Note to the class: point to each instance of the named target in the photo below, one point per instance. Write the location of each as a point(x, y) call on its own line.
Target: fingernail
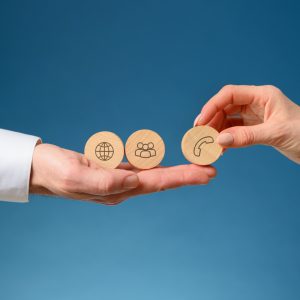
point(131, 182)
point(210, 172)
point(197, 119)
point(225, 139)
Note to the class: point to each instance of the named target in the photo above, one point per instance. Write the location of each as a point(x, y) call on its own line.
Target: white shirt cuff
point(16, 151)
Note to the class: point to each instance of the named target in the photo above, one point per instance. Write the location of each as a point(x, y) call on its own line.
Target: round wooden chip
point(145, 149)
point(105, 148)
point(199, 145)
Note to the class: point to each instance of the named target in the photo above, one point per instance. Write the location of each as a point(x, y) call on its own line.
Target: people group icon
point(145, 150)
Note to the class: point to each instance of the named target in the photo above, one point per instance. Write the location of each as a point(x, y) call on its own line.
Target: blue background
point(72, 68)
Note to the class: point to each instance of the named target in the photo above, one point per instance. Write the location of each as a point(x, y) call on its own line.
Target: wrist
point(36, 185)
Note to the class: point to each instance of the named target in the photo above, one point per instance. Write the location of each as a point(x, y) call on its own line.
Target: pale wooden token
point(199, 145)
point(145, 149)
point(105, 148)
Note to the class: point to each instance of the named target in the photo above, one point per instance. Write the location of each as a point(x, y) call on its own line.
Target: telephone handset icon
point(201, 143)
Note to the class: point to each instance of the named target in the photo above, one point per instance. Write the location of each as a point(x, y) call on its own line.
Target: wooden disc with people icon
point(199, 145)
point(105, 148)
point(145, 149)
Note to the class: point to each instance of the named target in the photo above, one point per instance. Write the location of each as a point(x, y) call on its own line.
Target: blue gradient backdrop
point(71, 68)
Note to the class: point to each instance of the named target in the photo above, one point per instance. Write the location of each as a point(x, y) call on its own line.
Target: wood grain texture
point(145, 149)
point(199, 145)
point(105, 148)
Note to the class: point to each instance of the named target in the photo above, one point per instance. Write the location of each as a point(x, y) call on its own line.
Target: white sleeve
point(16, 150)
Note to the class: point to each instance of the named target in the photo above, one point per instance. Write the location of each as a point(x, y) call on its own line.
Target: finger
point(230, 94)
point(125, 166)
point(242, 136)
point(69, 195)
point(221, 121)
point(231, 122)
point(75, 196)
point(171, 177)
point(78, 196)
point(103, 181)
point(233, 109)
point(160, 179)
point(128, 166)
point(218, 121)
point(112, 199)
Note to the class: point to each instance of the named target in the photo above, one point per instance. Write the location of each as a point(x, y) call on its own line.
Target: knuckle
point(106, 185)
point(228, 88)
point(273, 90)
point(247, 137)
point(163, 182)
point(160, 186)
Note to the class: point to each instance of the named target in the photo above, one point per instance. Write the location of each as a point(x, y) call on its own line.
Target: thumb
point(106, 182)
point(242, 136)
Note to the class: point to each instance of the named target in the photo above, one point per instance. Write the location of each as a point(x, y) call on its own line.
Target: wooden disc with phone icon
point(199, 145)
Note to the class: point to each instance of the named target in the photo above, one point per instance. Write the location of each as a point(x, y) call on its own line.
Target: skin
point(65, 173)
point(244, 115)
point(249, 115)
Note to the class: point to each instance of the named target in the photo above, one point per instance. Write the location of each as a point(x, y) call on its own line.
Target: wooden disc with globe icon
point(105, 148)
point(104, 151)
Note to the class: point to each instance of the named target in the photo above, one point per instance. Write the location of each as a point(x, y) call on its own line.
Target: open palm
point(61, 172)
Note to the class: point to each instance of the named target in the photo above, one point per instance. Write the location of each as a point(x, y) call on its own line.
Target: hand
point(248, 115)
point(61, 172)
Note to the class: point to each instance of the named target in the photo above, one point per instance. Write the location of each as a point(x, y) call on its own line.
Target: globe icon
point(104, 151)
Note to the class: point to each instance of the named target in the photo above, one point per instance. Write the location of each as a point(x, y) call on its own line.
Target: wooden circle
point(105, 148)
point(199, 145)
point(145, 149)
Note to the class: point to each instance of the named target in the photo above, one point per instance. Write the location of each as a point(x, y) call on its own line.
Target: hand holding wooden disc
point(105, 148)
point(199, 145)
point(145, 149)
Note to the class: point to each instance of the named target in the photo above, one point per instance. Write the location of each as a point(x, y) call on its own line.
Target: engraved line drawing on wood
point(201, 143)
point(104, 151)
point(145, 150)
